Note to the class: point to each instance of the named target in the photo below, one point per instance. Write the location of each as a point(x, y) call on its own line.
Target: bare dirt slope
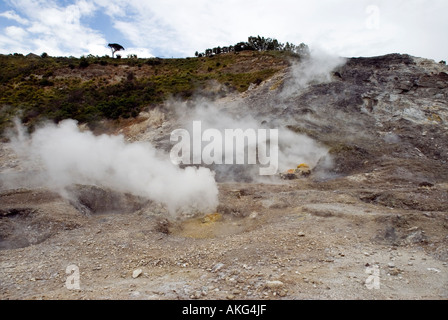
point(374, 226)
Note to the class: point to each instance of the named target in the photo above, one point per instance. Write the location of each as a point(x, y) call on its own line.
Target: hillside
point(369, 222)
point(90, 89)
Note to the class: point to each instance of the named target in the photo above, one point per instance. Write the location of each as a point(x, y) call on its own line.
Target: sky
point(179, 28)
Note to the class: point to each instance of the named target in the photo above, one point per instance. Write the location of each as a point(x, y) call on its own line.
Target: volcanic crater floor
point(353, 237)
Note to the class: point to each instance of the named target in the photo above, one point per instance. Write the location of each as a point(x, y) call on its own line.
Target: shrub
point(83, 63)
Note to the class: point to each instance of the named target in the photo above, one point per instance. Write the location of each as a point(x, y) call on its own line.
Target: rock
point(282, 293)
point(163, 226)
point(253, 215)
point(394, 272)
point(230, 297)
point(135, 294)
point(425, 185)
point(136, 273)
point(301, 234)
point(418, 236)
point(275, 284)
point(217, 267)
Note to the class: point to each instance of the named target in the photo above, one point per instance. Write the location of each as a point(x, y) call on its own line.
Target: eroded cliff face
point(372, 110)
point(371, 113)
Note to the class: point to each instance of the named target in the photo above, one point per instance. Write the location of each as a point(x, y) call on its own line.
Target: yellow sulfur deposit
point(213, 217)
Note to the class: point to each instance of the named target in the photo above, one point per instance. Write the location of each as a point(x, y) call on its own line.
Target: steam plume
point(316, 68)
point(69, 156)
point(293, 148)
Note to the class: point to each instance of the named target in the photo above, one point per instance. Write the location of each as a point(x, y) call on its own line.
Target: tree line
point(257, 44)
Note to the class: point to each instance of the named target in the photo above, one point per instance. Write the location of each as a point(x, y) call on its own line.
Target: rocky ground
point(373, 227)
point(296, 240)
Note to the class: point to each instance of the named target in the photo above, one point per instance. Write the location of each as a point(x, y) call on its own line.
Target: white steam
point(314, 69)
point(69, 156)
point(293, 148)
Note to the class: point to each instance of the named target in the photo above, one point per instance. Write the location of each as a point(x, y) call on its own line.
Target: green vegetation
point(91, 88)
point(258, 44)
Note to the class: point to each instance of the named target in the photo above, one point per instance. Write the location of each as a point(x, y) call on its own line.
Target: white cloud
point(16, 33)
point(179, 28)
point(8, 40)
point(140, 52)
point(14, 16)
point(173, 27)
point(55, 29)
